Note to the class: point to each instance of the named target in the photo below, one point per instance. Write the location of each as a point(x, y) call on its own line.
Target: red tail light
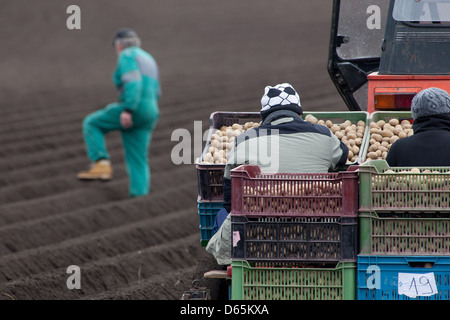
point(391, 101)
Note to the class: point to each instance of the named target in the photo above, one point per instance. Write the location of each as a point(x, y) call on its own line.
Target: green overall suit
point(137, 79)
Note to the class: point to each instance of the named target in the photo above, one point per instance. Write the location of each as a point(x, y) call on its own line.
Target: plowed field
point(213, 55)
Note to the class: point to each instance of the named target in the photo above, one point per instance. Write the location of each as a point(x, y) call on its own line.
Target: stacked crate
point(210, 176)
point(404, 221)
point(297, 238)
point(294, 236)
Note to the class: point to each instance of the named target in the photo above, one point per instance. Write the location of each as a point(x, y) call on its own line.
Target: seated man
point(293, 146)
point(430, 143)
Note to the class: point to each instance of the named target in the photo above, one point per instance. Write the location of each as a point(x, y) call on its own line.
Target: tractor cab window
point(422, 12)
point(361, 28)
point(356, 41)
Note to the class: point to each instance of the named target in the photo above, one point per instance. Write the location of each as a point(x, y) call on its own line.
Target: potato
point(335, 128)
point(382, 148)
point(374, 125)
point(381, 123)
point(373, 148)
point(311, 118)
point(393, 139)
point(236, 126)
point(345, 124)
point(215, 143)
point(229, 132)
point(208, 157)
point(372, 155)
point(377, 137)
point(405, 123)
point(350, 128)
point(393, 122)
point(350, 154)
point(387, 133)
point(376, 130)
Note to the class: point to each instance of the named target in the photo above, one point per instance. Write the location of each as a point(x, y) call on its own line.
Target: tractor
point(383, 52)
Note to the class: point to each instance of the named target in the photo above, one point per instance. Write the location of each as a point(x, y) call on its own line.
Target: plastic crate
point(252, 282)
point(404, 234)
point(210, 181)
point(403, 191)
point(207, 211)
point(294, 240)
point(255, 194)
point(386, 116)
point(210, 176)
point(378, 277)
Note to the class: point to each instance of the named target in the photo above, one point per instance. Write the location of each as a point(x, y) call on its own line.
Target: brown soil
point(213, 55)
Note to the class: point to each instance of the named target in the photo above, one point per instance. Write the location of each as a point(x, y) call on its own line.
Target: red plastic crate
point(256, 194)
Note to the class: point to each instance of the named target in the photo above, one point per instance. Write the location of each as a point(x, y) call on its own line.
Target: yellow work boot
point(100, 170)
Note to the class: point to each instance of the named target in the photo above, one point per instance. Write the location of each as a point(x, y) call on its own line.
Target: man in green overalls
point(135, 115)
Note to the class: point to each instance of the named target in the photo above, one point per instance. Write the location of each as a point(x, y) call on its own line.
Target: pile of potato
point(222, 141)
point(384, 133)
point(413, 188)
point(286, 188)
point(283, 197)
point(349, 133)
point(412, 179)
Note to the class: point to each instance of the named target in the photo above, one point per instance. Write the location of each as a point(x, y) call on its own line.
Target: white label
point(236, 238)
point(417, 285)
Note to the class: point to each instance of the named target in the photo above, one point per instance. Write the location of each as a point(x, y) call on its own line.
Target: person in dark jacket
point(284, 142)
point(430, 143)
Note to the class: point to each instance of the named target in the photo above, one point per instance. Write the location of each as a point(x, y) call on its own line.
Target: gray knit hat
point(430, 102)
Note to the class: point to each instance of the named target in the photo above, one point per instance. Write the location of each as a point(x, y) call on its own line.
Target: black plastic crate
point(210, 176)
point(294, 239)
point(210, 181)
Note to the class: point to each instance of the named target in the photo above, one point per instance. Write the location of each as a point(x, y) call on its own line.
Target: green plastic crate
point(402, 190)
point(411, 234)
point(251, 282)
point(388, 115)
